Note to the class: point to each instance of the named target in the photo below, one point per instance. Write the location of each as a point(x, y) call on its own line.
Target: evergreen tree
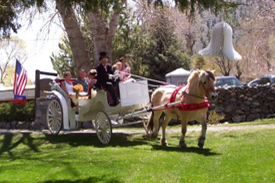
point(199, 62)
point(164, 53)
point(63, 61)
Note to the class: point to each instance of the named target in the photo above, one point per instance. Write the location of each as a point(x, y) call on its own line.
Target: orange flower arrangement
point(78, 88)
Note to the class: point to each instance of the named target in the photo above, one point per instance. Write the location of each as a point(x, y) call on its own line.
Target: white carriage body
point(134, 93)
point(134, 100)
point(134, 96)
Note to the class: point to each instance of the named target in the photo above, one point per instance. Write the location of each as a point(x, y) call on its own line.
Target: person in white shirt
point(67, 85)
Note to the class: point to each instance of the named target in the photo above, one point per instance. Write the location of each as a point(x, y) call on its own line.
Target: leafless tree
point(10, 50)
point(257, 43)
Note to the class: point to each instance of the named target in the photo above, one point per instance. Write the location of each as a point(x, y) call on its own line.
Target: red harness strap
point(184, 106)
point(193, 107)
point(174, 94)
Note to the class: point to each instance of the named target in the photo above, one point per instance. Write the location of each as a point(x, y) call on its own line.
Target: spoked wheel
point(103, 127)
point(54, 116)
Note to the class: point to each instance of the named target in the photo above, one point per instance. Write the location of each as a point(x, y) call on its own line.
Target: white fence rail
point(6, 93)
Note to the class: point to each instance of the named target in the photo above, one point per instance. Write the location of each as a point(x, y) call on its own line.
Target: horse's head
point(207, 80)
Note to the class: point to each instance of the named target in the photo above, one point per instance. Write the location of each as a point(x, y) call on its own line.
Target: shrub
point(5, 111)
point(214, 118)
point(10, 112)
point(30, 110)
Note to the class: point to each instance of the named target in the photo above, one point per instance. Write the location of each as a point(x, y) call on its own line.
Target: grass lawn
point(228, 156)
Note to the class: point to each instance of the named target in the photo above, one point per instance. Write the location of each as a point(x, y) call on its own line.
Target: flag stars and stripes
point(20, 79)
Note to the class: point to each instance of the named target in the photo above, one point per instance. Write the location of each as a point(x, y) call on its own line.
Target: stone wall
point(239, 104)
point(41, 111)
point(236, 104)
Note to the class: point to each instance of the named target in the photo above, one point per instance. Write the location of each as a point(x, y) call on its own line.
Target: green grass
point(228, 156)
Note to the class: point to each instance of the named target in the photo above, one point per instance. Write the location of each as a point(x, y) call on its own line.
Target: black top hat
point(102, 55)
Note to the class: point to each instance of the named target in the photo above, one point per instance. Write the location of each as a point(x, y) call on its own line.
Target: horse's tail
point(150, 124)
point(157, 94)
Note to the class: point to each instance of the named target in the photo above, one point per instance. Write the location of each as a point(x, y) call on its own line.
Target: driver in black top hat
point(105, 76)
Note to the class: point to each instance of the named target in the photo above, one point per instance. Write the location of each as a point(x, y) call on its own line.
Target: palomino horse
point(193, 106)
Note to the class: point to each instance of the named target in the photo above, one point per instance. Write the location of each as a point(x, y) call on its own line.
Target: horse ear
point(213, 71)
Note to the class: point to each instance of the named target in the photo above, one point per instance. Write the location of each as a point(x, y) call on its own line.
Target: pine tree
point(164, 52)
point(63, 61)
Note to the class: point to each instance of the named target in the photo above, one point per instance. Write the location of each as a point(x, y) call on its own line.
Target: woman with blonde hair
point(67, 85)
point(125, 69)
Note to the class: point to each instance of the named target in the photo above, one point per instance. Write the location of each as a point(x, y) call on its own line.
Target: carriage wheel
point(54, 117)
point(103, 127)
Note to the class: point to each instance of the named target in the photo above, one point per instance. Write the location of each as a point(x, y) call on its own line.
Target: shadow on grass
point(205, 152)
point(90, 139)
point(87, 180)
point(8, 143)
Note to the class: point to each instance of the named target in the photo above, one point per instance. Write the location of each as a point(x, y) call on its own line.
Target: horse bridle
point(207, 90)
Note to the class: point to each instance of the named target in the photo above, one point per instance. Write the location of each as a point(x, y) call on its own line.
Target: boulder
point(23, 125)
point(252, 117)
point(230, 108)
point(238, 119)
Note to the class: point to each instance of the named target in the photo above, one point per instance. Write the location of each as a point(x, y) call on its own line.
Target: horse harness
point(185, 106)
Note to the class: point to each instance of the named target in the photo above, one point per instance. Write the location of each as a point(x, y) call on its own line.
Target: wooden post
point(37, 81)
point(37, 84)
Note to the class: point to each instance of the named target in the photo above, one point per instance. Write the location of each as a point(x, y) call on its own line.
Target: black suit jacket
point(103, 75)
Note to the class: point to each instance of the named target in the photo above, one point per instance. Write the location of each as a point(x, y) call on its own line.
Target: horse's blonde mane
point(197, 74)
point(194, 75)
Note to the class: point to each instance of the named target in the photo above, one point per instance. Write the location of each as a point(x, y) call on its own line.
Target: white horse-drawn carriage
point(62, 114)
point(186, 104)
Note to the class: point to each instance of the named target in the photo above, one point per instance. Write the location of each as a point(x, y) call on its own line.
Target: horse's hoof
point(154, 137)
point(164, 143)
point(200, 145)
point(183, 145)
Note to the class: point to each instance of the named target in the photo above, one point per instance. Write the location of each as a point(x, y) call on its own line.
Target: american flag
point(20, 79)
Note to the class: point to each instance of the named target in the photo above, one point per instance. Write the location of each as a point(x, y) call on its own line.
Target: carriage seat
point(109, 98)
point(60, 80)
point(57, 87)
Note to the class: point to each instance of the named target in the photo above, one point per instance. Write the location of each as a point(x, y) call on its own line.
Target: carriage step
point(114, 122)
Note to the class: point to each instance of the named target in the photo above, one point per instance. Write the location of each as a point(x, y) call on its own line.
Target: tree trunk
point(80, 54)
point(190, 43)
point(224, 65)
point(102, 33)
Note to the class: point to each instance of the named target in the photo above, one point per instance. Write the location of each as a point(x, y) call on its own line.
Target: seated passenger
point(91, 81)
point(125, 75)
point(82, 80)
point(116, 69)
point(105, 77)
point(67, 86)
